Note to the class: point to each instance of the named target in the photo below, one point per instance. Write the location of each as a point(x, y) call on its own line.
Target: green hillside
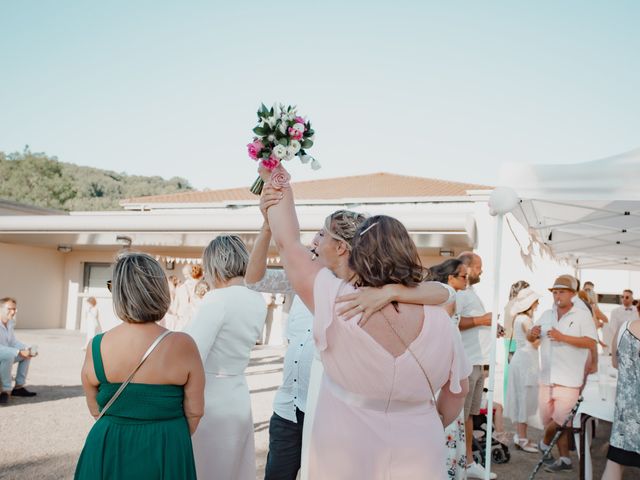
point(37, 179)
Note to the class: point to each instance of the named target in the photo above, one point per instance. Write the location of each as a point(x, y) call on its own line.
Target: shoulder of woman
point(182, 341)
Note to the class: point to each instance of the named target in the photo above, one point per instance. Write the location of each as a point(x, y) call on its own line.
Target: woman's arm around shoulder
point(193, 404)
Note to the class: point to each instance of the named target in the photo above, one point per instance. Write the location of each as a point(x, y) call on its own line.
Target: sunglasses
point(462, 276)
point(109, 285)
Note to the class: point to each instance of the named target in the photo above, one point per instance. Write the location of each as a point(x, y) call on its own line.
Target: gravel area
point(46, 433)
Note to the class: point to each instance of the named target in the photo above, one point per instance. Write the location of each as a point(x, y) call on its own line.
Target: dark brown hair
point(383, 253)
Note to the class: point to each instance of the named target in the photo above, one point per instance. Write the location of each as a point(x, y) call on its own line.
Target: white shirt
point(476, 340)
point(561, 363)
point(620, 315)
point(296, 373)
point(298, 358)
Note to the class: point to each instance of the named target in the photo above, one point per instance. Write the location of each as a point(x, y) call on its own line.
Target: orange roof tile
point(376, 185)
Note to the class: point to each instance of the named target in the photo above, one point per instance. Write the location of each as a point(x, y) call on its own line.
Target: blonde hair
point(224, 258)
point(140, 289)
point(343, 225)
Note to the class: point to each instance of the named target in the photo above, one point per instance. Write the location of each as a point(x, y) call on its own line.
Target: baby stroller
point(499, 451)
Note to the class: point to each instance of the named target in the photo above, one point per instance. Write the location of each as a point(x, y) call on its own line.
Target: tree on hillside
point(37, 179)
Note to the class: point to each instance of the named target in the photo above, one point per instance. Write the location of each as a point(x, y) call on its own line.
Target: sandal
point(524, 445)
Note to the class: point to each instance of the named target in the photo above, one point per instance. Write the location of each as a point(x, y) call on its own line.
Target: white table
point(593, 408)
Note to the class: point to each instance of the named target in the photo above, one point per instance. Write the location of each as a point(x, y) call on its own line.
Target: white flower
point(271, 138)
point(295, 146)
point(290, 153)
point(306, 158)
point(315, 164)
point(280, 151)
point(299, 127)
point(271, 121)
point(283, 127)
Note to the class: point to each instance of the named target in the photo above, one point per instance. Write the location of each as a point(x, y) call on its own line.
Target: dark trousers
point(285, 447)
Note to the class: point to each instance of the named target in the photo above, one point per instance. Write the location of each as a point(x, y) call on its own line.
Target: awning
point(586, 213)
point(432, 225)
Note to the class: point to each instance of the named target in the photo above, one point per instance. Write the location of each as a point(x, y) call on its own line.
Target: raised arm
point(301, 269)
point(257, 265)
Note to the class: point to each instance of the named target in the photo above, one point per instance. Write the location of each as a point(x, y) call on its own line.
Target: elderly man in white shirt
point(619, 315)
point(567, 334)
point(12, 351)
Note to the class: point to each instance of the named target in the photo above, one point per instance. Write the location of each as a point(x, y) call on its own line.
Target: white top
point(561, 363)
point(476, 340)
point(226, 328)
point(296, 373)
point(622, 314)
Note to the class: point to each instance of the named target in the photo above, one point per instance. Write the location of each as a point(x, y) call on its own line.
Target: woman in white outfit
point(522, 390)
point(226, 327)
point(93, 320)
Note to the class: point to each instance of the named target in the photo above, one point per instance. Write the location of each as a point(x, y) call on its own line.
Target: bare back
point(395, 330)
point(122, 349)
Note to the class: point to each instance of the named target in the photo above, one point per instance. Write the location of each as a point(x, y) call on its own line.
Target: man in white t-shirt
point(567, 333)
point(619, 315)
point(475, 330)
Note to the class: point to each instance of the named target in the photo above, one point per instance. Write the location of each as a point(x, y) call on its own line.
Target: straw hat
point(526, 297)
point(566, 282)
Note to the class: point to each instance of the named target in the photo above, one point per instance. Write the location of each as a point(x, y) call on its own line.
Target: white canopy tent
point(587, 214)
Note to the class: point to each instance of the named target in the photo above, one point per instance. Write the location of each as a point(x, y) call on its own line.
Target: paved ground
point(42, 437)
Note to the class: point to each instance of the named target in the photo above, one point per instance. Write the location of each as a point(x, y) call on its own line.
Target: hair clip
point(368, 228)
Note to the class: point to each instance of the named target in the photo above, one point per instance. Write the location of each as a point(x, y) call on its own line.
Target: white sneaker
point(475, 470)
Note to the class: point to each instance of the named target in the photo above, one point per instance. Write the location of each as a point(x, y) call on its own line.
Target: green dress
point(143, 435)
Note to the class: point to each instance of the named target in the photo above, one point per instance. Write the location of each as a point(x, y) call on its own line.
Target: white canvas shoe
point(475, 470)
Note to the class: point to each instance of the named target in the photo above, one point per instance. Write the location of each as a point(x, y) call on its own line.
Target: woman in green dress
point(146, 432)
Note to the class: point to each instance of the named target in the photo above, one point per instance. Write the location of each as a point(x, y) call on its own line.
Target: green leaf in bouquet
point(307, 143)
point(309, 132)
point(259, 131)
point(284, 141)
point(265, 153)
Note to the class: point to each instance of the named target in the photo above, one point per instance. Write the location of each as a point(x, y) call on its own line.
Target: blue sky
point(436, 89)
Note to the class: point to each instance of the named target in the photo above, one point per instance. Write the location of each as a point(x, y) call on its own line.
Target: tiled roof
point(375, 185)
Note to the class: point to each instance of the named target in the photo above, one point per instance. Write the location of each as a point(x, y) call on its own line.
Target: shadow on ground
point(47, 393)
point(50, 467)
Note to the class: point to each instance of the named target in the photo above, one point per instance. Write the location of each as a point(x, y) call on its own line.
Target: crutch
point(555, 438)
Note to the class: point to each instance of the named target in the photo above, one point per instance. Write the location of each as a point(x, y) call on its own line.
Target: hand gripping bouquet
point(281, 135)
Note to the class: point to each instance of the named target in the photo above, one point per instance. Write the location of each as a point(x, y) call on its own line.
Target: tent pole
point(494, 331)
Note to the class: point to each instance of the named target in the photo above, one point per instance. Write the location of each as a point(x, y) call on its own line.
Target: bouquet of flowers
point(281, 134)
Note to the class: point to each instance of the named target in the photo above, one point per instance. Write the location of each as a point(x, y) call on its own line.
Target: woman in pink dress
point(376, 416)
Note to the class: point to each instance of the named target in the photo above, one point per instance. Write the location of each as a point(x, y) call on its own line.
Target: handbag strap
point(155, 343)
point(424, 372)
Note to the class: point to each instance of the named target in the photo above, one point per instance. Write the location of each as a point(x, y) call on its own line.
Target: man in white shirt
point(567, 333)
point(619, 315)
point(12, 351)
point(289, 405)
point(475, 330)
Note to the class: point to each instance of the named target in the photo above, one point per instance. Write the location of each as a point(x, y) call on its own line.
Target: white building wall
point(33, 276)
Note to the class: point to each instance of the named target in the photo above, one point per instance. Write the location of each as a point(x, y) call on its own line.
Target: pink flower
point(280, 178)
point(254, 149)
point(300, 120)
point(270, 163)
point(295, 134)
